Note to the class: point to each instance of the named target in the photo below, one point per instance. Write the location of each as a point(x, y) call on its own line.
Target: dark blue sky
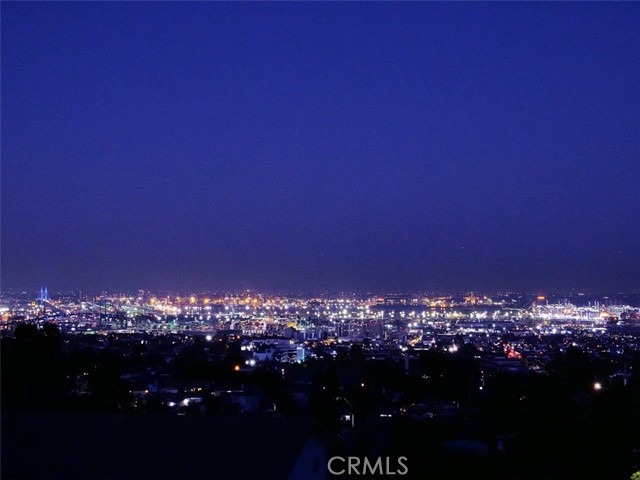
point(357, 146)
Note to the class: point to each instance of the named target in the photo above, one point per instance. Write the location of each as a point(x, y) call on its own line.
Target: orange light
point(237, 368)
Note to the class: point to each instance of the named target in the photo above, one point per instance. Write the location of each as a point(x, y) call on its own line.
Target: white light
point(597, 386)
point(208, 338)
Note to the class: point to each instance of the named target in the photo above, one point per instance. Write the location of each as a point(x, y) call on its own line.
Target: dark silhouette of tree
point(32, 368)
point(191, 363)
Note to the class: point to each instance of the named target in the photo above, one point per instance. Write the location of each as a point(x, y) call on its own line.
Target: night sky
point(313, 146)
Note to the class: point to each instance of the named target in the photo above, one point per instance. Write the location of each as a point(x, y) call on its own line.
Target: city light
point(220, 218)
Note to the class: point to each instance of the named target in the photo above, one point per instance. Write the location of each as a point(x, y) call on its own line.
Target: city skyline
point(302, 240)
point(339, 147)
point(184, 292)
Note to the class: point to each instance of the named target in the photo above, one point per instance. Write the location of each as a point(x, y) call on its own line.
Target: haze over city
point(333, 146)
